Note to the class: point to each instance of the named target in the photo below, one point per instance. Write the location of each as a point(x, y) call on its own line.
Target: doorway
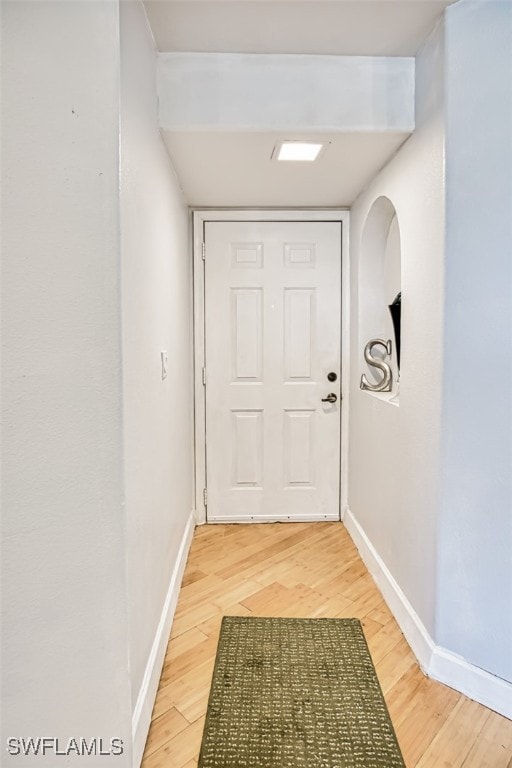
point(268, 334)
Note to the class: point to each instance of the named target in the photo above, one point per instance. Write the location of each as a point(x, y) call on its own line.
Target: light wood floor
point(308, 570)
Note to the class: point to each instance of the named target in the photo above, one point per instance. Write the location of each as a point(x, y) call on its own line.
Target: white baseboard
point(475, 683)
point(436, 662)
point(408, 620)
point(141, 718)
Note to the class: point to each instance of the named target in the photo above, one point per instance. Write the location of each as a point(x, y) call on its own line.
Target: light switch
point(165, 360)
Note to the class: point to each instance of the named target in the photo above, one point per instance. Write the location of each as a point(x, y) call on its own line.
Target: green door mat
point(296, 693)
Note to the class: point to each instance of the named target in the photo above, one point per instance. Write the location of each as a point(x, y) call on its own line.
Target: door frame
point(200, 216)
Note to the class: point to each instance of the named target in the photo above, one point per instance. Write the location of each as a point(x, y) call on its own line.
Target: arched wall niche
point(380, 280)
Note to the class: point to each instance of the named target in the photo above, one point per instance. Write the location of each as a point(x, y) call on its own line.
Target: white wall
point(243, 91)
point(64, 624)
point(475, 534)
point(394, 451)
point(430, 490)
point(98, 472)
point(156, 310)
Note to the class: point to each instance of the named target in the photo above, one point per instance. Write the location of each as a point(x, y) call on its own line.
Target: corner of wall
point(436, 662)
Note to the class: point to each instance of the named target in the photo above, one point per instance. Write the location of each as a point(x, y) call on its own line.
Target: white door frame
point(200, 217)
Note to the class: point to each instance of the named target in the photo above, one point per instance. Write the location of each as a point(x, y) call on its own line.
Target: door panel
point(247, 333)
point(272, 334)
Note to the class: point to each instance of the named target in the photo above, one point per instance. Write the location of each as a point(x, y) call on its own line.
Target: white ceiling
point(338, 27)
point(235, 169)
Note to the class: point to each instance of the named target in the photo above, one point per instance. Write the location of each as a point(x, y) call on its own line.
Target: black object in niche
point(396, 313)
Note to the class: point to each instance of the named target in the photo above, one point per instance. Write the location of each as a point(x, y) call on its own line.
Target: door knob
point(331, 376)
point(331, 398)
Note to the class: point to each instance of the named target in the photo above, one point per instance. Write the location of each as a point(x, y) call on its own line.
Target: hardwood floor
point(310, 570)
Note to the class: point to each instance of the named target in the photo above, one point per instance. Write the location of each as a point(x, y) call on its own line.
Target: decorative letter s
point(387, 380)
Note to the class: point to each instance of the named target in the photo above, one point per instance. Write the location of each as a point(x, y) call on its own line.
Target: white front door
point(272, 350)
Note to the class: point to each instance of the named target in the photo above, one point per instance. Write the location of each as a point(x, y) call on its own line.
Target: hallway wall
point(394, 451)
point(430, 483)
point(475, 534)
point(98, 477)
point(64, 625)
point(156, 292)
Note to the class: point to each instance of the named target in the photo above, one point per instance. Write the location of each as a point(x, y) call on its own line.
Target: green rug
point(296, 693)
